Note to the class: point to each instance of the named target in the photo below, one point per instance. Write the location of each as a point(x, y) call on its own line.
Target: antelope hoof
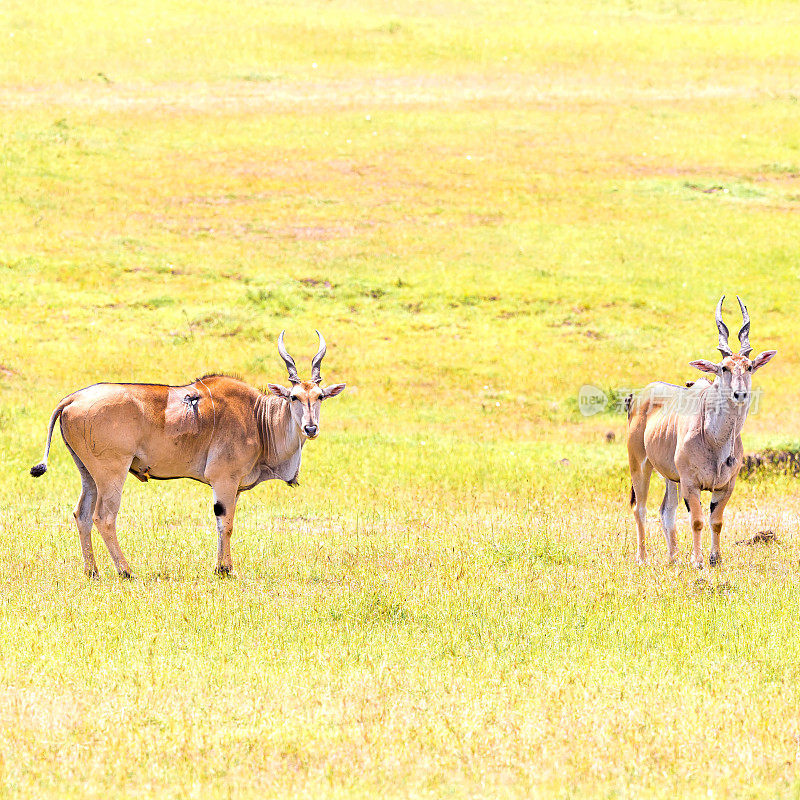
point(641, 561)
point(123, 573)
point(697, 563)
point(92, 573)
point(714, 560)
point(223, 571)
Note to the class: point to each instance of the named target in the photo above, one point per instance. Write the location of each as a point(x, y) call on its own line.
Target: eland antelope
point(692, 436)
point(216, 430)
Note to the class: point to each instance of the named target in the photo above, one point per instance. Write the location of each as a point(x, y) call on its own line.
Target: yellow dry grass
point(483, 207)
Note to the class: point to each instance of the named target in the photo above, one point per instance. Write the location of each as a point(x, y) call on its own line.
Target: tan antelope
point(217, 430)
point(692, 436)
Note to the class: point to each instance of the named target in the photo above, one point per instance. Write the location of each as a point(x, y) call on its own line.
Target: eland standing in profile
point(217, 430)
point(692, 436)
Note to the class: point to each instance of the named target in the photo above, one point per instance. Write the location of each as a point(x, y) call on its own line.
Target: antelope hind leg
point(83, 519)
point(83, 515)
point(641, 486)
point(669, 506)
point(109, 497)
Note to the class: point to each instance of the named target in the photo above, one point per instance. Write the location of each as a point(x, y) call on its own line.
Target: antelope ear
point(279, 391)
point(763, 358)
point(333, 390)
point(706, 366)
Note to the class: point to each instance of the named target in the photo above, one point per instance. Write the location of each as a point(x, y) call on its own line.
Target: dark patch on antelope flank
point(219, 509)
point(713, 506)
point(192, 400)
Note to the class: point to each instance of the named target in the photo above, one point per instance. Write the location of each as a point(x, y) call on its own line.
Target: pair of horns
point(744, 331)
point(316, 362)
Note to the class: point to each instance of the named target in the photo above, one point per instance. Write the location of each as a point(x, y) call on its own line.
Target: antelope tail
point(41, 467)
point(628, 404)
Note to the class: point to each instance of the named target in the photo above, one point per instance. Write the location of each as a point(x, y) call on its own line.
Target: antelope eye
point(725, 369)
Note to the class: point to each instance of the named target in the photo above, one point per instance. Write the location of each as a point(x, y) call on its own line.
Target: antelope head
point(305, 397)
point(735, 370)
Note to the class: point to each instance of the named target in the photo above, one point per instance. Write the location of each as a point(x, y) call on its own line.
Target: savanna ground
point(483, 206)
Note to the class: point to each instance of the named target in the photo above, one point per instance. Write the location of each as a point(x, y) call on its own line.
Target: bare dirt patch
point(355, 93)
point(38, 709)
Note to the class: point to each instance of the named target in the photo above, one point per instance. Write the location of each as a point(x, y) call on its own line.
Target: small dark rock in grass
point(767, 537)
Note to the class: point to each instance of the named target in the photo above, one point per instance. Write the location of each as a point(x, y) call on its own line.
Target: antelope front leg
point(719, 499)
point(224, 509)
point(692, 498)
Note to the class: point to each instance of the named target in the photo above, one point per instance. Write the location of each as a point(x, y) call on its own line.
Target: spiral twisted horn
point(723, 345)
point(744, 331)
point(290, 365)
point(316, 362)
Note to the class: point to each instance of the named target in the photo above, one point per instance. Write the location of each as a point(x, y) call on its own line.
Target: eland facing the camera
point(217, 430)
point(691, 435)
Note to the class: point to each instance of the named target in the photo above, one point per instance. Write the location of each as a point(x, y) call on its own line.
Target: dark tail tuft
point(627, 403)
point(633, 496)
point(39, 469)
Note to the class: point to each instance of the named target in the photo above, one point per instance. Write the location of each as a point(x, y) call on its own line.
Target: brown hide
point(217, 430)
point(191, 431)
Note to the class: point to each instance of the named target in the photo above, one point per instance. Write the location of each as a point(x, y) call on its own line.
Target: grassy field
point(483, 206)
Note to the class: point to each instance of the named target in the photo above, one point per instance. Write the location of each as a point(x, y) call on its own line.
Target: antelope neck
point(279, 436)
point(722, 418)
